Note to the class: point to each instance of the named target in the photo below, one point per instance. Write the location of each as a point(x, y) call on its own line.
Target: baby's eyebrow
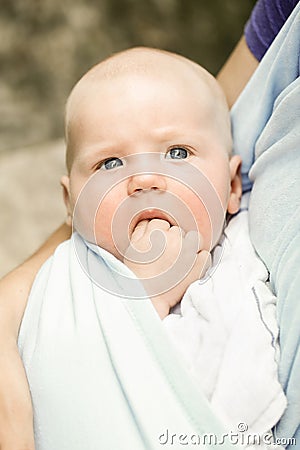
point(99, 151)
point(88, 157)
point(92, 154)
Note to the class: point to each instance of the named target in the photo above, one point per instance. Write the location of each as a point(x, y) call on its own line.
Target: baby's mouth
point(150, 214)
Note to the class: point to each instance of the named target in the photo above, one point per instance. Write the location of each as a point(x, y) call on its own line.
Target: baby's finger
point(177, 231)
point(139, 230)
point(202, 263)
point(158, 224)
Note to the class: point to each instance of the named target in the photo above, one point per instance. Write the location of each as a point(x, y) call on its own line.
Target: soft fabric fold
point(266, 130)
point(102, 371)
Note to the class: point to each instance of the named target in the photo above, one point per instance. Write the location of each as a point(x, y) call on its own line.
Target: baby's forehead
point(149, 64)
point(154, 70)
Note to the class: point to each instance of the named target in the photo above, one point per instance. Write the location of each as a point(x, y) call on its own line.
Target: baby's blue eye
point(177, 153)
point(111, 163)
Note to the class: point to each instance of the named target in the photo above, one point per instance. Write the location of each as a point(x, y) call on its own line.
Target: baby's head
point(150, 124)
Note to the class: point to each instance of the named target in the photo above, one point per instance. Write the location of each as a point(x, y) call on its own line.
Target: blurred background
point(45, 47)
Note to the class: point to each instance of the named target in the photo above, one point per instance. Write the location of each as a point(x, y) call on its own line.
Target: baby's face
point(151, 139)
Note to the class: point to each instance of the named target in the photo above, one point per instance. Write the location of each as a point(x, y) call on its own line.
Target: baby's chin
point(111, 248)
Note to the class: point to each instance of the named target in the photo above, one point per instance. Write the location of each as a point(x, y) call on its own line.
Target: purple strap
point(267, 18)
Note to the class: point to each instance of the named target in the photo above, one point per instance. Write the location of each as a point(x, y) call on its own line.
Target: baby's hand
point(167, 275)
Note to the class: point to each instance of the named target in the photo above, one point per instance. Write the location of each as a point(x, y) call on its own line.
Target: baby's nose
point(146, 181)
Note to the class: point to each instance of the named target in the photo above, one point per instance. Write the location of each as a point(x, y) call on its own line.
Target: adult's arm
point(237, 70)
point(33, 263)
point(18, 282)
point(16, 421)
point(15, 402)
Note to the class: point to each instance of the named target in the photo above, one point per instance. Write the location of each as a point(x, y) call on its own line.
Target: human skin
point(16, 432)
point(237, 71)
point(177, 112)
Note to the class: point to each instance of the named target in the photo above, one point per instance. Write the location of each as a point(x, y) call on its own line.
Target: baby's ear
point(65, 183)
point(236, 184)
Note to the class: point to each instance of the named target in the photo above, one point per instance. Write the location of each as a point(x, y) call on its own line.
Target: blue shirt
point(267, 18)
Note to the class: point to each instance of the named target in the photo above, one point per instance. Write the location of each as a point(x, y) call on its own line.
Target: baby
point(144, 108)
point(150, 180)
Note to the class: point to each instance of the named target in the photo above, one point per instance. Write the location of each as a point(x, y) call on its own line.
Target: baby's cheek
point(209, 216)
point(106, 230)
point(204, 226)
point(102, 228)
point(94, 210)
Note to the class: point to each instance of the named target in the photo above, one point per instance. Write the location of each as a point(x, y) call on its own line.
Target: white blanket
point(104, 375)
point(228, 335)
